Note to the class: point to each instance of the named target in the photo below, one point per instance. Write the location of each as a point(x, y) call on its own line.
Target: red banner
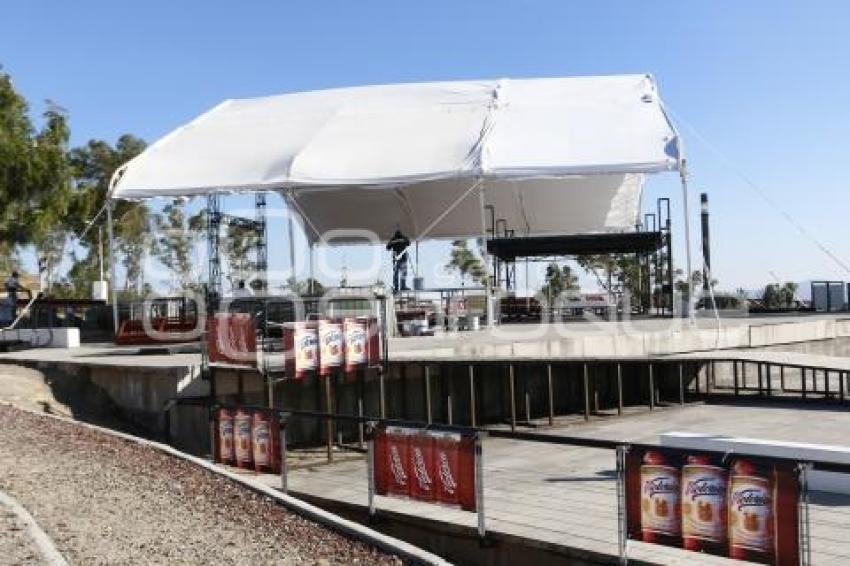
point(745, 509)
point(232, 339)
point(425, 465)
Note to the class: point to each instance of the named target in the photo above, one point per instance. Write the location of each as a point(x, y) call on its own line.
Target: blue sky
point(766, 83)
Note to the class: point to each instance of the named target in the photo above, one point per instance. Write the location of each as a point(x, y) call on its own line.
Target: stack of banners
point(743, 508)
point(326, 346)
point(232, 339)
point(249, 438)
point(225, 450)
point(425, 465)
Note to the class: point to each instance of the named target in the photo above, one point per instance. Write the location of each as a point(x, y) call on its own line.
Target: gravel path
point(107, 500)
point(15, 545)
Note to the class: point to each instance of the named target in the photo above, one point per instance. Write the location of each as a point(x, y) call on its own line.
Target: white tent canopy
point(553, 155)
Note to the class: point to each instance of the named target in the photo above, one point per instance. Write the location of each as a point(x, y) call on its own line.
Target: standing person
point(13, 286)
point(398, 245)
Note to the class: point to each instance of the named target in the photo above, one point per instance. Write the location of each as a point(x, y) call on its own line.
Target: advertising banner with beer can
point(301, 348)
point(356, 344)
point(243, 422)
point(265, 435)
point(331, 346)
point(739, 508)
point(225, 453)
point(426, 465)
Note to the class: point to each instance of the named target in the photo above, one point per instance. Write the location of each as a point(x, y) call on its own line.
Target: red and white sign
point(425, 465)
point(331, 346)
point(232, 339)
point(265, 435)
point(356, 344)
point(746, 509)
point(225, 436)
point(242, 424)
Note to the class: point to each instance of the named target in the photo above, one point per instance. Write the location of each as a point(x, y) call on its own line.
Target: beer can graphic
point(397, 464)
point(301, 351)
point(660, 499)
point(422, 469)
point(332, 346)
point(265, 434)
point(225, 436)
point(356, 344)
point(751, 512)
point(244, 450)
point(704, 513)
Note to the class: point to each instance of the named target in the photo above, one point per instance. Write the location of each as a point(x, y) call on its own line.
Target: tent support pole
point(114, 289)
point(488, 299)
point(291, 234)
point(312, 273)
point(683, 171)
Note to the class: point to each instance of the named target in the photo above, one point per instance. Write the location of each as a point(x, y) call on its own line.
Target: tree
point(776, 296)
point(93, 166)
point(34, 179)
point(303, 288)
point(237, 247)
point(464, 261)
point(559, 281)
point(174, 244)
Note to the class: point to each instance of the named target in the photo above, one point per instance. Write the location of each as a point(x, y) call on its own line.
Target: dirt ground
point(104, 500)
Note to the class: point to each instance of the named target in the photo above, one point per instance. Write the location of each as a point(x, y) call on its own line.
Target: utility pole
point(706, 247)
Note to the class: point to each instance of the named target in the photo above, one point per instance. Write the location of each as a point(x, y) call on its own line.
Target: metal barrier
point(622, 450)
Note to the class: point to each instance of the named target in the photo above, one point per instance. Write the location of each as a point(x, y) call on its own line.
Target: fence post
point(512, 387)
point(803, 380)
point(551, 395)
point(370, 469)
point(330, 421)
point(651, 388)
point(681, 384)
point(212, 431)
point(769, 370)
point(735, 376)
point(586, 393)
point(622, 527)
point(472, 395)
point(428, 393)
point(479, 484)
point(619, 388)
point(284, 471)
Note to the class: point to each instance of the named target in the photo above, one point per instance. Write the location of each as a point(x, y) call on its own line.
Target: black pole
point(706, 247)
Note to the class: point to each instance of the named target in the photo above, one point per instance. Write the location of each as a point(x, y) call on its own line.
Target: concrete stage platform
point(141, 382)
point(633, 338)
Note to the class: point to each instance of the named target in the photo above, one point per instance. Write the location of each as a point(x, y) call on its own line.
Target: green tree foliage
point(93, 166)
point(560, 280)
point(776, 296)
point(34, 180)
point(238, 248)
point(173, 246)
point(464, 262)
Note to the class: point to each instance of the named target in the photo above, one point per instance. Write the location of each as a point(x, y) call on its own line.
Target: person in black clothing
point(398, 245)
point(13, 286)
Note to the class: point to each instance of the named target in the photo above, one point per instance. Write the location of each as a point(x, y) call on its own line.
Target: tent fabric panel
point(383, 136)
point(446, 209)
